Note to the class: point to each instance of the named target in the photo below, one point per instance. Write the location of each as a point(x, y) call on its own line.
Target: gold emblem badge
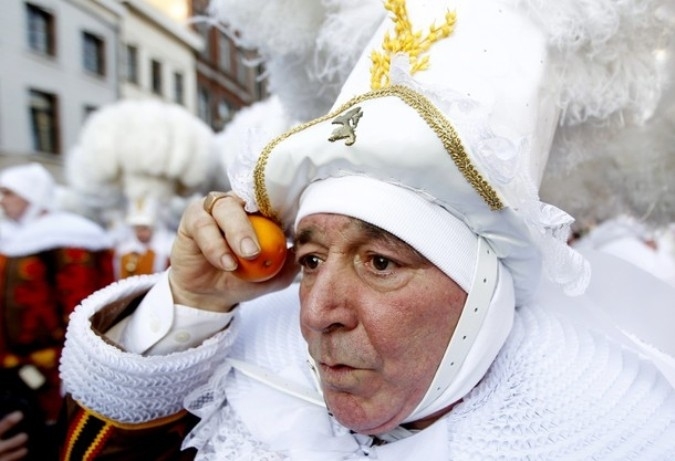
point(348, 122)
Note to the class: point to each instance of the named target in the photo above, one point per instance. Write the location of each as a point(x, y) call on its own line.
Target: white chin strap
point(482, 328)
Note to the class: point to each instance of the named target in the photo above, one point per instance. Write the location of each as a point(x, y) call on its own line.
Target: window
point(260, 86)
point(243, 71)
point(93, 53)
point(132, 64)
point(224, 114)
point(224, 54)
point(203, 29)
point(44, 121)
point(204, 105)
point(156, 76)
point(178, 88)
point(41, 36)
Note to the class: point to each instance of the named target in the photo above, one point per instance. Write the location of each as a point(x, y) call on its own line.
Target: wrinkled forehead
point(307, 231)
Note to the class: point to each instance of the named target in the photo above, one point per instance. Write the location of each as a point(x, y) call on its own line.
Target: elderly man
point(49, 261)
point(420, 327)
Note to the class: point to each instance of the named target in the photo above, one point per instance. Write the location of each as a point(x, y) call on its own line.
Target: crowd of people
point(430, 306)
point(50, 260)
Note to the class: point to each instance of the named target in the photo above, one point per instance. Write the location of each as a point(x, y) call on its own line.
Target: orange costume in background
point(147, 244)
point(137, 263)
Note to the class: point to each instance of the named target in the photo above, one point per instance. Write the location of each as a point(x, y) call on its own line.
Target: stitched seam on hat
point(451, 141)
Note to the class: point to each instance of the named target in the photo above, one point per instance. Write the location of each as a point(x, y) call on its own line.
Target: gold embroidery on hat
point(432, 116)
point(406, 41)
point(348, 122)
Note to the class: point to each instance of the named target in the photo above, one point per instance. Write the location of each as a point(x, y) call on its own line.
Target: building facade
point(60, 60)
point(228, 77)
point(59, 63)
point(158, 55)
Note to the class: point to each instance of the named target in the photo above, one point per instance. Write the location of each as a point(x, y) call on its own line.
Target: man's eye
point(309, 261)
point(381, 263)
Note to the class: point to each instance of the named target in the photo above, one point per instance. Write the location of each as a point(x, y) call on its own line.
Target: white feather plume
point(309, 47)
point(249, 131)
point(607, 49)
point(613, 153)
point(140, 148)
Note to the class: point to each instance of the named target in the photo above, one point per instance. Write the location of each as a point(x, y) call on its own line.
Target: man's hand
point(205, 253)
point(12, 448)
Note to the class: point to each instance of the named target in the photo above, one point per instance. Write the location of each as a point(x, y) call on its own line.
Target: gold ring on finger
point(211, 199)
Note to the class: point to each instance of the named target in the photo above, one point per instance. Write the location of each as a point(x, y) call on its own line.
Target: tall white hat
point(501, 78)
point(469, 131)
point(143, 211)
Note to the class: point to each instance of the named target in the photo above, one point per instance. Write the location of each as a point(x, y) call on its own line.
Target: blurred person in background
point(632, 240)
point(147, 244)
point(50, 260)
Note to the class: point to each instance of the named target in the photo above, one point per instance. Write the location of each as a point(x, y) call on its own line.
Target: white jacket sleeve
point(159, 327)
point(125, 386)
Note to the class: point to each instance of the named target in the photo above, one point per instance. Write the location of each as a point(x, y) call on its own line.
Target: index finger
point(232, 219)
point(9, 421)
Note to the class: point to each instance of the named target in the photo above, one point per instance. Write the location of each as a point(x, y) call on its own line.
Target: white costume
point(558, 389)
point(445, 151)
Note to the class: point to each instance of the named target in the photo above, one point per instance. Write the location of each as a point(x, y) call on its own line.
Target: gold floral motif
point(406, 41)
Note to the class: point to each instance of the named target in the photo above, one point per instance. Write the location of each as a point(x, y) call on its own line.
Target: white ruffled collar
point(53, 230)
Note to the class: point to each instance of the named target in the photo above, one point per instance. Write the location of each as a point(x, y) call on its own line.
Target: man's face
point(143, 233)
point(377, 317)
point(13, 205)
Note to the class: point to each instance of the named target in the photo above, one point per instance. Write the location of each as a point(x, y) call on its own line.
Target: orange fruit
point(272, 251)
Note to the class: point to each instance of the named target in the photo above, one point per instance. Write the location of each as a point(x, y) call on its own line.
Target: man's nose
point(330, 300)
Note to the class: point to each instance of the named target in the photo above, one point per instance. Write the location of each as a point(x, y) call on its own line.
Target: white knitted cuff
point(126, 387)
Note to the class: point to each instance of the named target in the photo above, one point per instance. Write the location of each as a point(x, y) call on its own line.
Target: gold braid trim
point(135, 426)
point(431, 114)
point(406, 41)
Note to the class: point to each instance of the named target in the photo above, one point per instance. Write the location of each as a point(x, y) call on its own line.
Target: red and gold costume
point(46, 268)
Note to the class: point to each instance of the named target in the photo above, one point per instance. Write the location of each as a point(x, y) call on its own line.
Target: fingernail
point(15, 416)
point(228, 262)
point(248, 247)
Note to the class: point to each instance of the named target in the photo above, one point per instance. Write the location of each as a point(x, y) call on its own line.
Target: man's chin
point(359, 419)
